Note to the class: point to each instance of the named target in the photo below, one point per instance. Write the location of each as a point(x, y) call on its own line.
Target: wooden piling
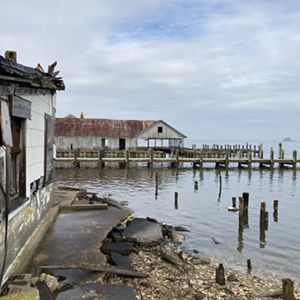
point(294, 159)
point(280, 151)
point(234, 202)
point(275, 205)
point(272, 158)
point(263, 224)
point(241, 205)
point(288, 289)
point(196, 185)
point(220, 275)
point(246, 200)
point(176, 200)
point(249, 266)
point(275, 211)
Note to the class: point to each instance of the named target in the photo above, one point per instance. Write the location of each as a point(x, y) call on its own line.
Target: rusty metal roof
point(100, 127)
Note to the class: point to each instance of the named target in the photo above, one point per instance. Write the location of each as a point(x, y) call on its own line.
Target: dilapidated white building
point(83, 133)
point(27, 111)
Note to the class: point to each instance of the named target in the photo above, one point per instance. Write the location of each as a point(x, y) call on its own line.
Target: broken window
point(159, 129)
point(12, 129)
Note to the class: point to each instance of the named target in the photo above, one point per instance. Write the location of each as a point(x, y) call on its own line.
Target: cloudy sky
point(213, 69)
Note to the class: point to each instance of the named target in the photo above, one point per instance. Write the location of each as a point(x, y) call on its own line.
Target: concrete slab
point(77, 237)
point(143, 231)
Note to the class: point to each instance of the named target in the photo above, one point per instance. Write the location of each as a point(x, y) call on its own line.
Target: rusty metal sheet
point(100, 127)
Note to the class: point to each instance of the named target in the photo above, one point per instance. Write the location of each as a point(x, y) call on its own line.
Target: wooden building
point(27, 110)
point(82, 133)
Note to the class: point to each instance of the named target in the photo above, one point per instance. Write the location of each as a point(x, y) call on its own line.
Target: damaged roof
point(13, 73)
point(101, 127)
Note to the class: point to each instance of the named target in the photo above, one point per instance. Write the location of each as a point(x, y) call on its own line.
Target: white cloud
point(196, 63)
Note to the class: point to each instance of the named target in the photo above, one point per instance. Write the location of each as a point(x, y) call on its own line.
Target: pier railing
point(199, 158)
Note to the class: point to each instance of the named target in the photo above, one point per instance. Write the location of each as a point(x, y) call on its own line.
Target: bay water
point(275, 252)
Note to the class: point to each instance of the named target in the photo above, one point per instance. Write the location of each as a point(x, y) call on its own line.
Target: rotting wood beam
point(97, 268)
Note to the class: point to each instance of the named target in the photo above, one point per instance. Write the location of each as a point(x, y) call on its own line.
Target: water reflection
point(272, 244)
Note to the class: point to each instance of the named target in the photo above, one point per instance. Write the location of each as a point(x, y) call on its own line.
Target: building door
point(122, 144)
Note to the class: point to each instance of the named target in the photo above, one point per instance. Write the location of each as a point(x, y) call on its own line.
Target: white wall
point(90, 142)
point(35, 136)
point(168, 132)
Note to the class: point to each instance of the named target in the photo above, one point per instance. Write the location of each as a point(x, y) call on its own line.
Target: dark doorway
point(122, 144)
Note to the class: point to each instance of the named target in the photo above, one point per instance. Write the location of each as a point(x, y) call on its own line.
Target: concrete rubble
point(85, 253)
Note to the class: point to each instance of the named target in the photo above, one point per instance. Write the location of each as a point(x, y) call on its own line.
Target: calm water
point(205, 213)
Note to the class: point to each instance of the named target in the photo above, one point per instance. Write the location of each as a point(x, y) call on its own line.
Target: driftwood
point(99, 268)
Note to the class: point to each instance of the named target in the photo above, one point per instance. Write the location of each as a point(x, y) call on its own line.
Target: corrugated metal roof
point(100, 127)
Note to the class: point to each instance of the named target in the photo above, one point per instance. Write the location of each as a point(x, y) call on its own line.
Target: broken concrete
point(121, 248)
point(99, 291)
point(143, 231)
point(120, 260)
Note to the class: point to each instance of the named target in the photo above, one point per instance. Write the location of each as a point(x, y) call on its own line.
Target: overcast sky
point(213, 69)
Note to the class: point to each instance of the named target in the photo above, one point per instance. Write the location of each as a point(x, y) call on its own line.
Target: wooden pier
point(198, 158)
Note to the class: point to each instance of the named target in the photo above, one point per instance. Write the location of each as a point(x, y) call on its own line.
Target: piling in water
point(220, 275)
point(246, 199)
point(176, 200)
point(249, 266)
point(288, 289)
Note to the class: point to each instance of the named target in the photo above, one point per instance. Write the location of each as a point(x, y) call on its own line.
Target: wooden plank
point(98, 268)
point(21, 108)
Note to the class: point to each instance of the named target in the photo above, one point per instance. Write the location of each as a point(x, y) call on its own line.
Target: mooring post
point(196, 185)
point(241, 205)
point(275, 212)
point(234, 202)
point(263, 224)
point(150, 155)
point(287, 289)
point(220, 275)
point(280, 151)
point(249, 266)
point(271, 158)
point(294, 159)
point(176, 200)
point(246, 199)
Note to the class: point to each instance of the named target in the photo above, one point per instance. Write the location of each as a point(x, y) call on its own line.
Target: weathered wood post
point(294, 159)
point(241, 211)
point(288, 289)
point(271, 158)
point(196, 185)
point(227, 159)
point(150, 156)
point(275, 210)
point(263, 224)
point(246, 200)
point(156, 185)
point(249, 266)
point(234, 202)
point(220, 275)
point(249, 158)
point(127, 156)
point(176, 200)
point(280, 151)
point(201, 160)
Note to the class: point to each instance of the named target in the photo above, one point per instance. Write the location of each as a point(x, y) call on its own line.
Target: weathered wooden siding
point(90, 142)
point(167, 132)
point(23, 221)
point(35, 136)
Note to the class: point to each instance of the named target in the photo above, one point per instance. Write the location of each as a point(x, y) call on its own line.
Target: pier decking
point(198, 158)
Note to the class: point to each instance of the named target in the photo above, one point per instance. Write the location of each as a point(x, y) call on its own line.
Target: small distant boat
point(288, 139)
